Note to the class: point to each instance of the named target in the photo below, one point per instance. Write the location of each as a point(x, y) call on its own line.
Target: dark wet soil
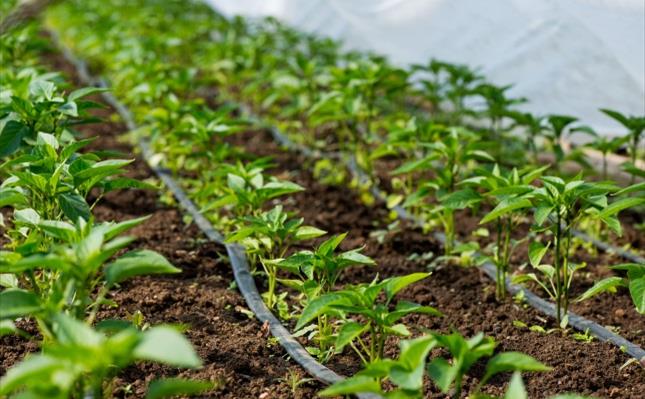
point(238, 355)
point(465, 295)
point(245, 363)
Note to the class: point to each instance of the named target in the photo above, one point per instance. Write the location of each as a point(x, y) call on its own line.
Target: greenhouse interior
point(263, 199)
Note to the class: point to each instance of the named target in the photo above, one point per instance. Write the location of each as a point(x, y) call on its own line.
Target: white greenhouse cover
point(565, 56)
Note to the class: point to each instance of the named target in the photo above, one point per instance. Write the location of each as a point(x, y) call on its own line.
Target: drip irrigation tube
point(236, 252)
point(578, 322)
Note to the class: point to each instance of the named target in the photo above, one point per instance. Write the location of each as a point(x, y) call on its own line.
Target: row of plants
point(58, 265)
point(448, 162)
point(158, 78)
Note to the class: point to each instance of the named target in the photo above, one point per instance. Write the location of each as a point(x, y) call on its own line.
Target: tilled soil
point(239, 356)
point(615, 311)
point(464, 295)
point(245, 363)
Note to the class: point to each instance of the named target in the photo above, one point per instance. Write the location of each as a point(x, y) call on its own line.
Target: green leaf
point(11, 137)
point(637, 291)
point(7, 327)
point(537, 252)
point(277, 188)
point(412, 166)
point(165, 345)
point(442, 373)
point(460, 199)
point(12, 197)
point(17, 302)
point(318, 306)
point(102, 168)
point(308, 232)
point(121, 183)
point(138, 263)
point(59, 229)
point(168, 387)
point(516, 389)
point(512, 361)
point(328, 246)
point(85, 91)
point(620, 205)
point(622, 119)
point(608, 284)
point(33, 368)
point(355, 257)
point(27, 216)
point(395, 284)
point(542, 212)
point(69, 108)
point(634, 188)
point(506, 206)
point(71, 331)
point(348, 333)
point(37, 261)
point(404, 308)
point(42, 88)
point(408, 372)
point(74, 206)
point(111, 230)
point(634, 270)
point(351, 385)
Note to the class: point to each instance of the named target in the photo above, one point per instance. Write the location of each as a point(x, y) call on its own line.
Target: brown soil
point(245, 363)
point(465, 295)
point(238, 355)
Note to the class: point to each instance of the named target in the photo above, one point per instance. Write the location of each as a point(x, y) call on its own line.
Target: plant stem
point(449, 227)
point(558, 267)
point(635, 135)
point(499, 292)
point(97, 303)
point(566, 270)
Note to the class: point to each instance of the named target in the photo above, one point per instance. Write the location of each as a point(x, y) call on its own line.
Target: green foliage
point(634, 281)
point(635, 126)
point(448, 157)
point(559, 207)
point(507, 193)
point(268, 237)
point(74, 276)
point(407, 372)
point(81, 360)
point(378, 321)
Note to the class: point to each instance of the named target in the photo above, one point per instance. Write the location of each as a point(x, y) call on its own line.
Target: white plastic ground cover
point(566, 57)
point(235, 252)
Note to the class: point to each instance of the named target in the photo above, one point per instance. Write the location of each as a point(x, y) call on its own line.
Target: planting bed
point(240, 357)
point(385, 256)
point(464, 295)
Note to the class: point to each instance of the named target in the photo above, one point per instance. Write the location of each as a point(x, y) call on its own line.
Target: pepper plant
point(452, 152)
point(635, 125)
point(559, 207)
point(81, 361)
point(315, 273)
point(445, 82)
point(73, 277)
point(43, 110)
point(507, 193)
point(634, 281)
point(407, 372)
point(377, 320)
point(268, 237)
point(247, 188)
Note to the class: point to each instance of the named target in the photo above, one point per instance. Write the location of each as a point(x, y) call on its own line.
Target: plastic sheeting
point(566, 57)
